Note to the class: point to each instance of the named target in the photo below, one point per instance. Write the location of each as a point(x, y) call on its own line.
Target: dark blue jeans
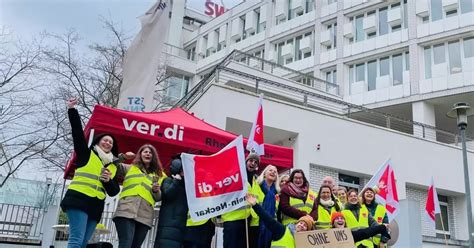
point(131, 233)
point(81, 228)
point(234, 234)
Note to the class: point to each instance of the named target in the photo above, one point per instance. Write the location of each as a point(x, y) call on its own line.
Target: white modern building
point(347, 84)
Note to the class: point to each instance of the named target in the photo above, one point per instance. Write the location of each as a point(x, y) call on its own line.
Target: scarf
point(268, 204)
point(297, 192)
point(106, 158)
point(327, 204)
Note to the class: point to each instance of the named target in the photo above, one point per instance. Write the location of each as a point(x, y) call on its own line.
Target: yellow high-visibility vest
point(324, 218)
point(306, 206)
point(258, 192)
point(378, 216)
point(287, 241)
point(137, 183)
point(241, 213)
point(354, 224)
point(86, 178)
point(190, 222)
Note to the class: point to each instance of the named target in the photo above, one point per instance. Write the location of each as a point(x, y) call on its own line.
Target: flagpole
point(442, 226)
point(246, 233)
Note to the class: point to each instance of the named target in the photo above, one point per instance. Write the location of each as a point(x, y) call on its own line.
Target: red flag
point(255, 141)
point(432, 205)
point(387, 195)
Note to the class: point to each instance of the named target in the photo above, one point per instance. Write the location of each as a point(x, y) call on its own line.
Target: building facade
point(409, 59)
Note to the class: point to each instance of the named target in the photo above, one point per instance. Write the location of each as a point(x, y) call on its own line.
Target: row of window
point(392, 66)
point(450, 53)
point(437, 12)
point(285, 10)
point(296, 52)
point(380, 26)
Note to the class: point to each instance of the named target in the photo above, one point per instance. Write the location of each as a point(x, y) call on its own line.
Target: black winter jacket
point(76, 200)
point(173, 214)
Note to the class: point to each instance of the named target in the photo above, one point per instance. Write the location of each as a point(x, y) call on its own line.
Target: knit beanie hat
point(309, 222)
point(253, 156)
point(334, 215)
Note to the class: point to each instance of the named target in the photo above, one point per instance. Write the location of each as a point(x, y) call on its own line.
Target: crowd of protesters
point(277, 206)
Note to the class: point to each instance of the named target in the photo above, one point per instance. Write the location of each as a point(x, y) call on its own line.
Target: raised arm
point(277, 229)
point(78, 138)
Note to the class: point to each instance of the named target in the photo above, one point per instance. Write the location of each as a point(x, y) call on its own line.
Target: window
point(371, 74)
point(383, 21)
point(397, 68)
point(384, 66)
point(427, 55)
point(466, 6)
point(176, 87)
point(244, 35)
point(407, 61)
point(405, 14)
point(331, 76)
point(454, 53)
point(468, 47)
point(436, 10)
point(309, 5)
point(351, 74)
point(333, 34)
point(191, 52)
point(359, 28)
point(442, 228)
point(297, 53)
point(438, 54)
point(451, 13)
point(350, 182)
point(360, 72)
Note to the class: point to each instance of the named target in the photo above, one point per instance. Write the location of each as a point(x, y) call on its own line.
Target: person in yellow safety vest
point(378, 211)
point(297, 199)
point(342, 196)
point(282, 235)
point(357, 216)
point(141, 190)
point(234, 221)
point(199, 234)
point(94, 178)
point(338, 221)
point(283, 181)
point(267, 193)
point(329, 180)
point(326, 205)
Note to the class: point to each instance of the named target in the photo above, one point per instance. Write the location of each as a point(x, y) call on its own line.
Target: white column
point(424, 112)
point(176, 23)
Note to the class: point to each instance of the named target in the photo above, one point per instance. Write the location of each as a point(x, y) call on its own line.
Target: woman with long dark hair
point(378, 211)
point(326, 204)
point(94, 179)
point(297, 199)
point(141, 190)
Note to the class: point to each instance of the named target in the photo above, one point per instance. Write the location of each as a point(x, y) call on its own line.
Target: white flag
point(255, 142)
point(387, 195)
point(215, 184)
point(143, 58)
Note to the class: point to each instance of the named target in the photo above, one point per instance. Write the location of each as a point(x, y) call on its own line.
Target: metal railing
point(180, 52)
point(17, 221)
point(285, 72)
point(313, 99)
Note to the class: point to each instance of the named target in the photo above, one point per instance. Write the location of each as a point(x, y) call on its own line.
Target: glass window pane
point(454, 53)
point(384, 66)
point(438, 54)
point(335, 35)
point(371, 74)
point(334, 77)
point(407, 61)
point(427, 55)
point(383, 21)
point(360, 72)
point(397, 68)
point(466, 6)
point(359, 28)
point(444, 217)
point(469, 47)
point(405, 15)
point(436, 10)
point(351, 74)
point(328, 76)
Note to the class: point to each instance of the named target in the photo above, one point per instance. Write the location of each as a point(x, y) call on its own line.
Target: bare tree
point(94, 77)
point(24, 133)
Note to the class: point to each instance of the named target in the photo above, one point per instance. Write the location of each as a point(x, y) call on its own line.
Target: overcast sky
point(27, 18)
